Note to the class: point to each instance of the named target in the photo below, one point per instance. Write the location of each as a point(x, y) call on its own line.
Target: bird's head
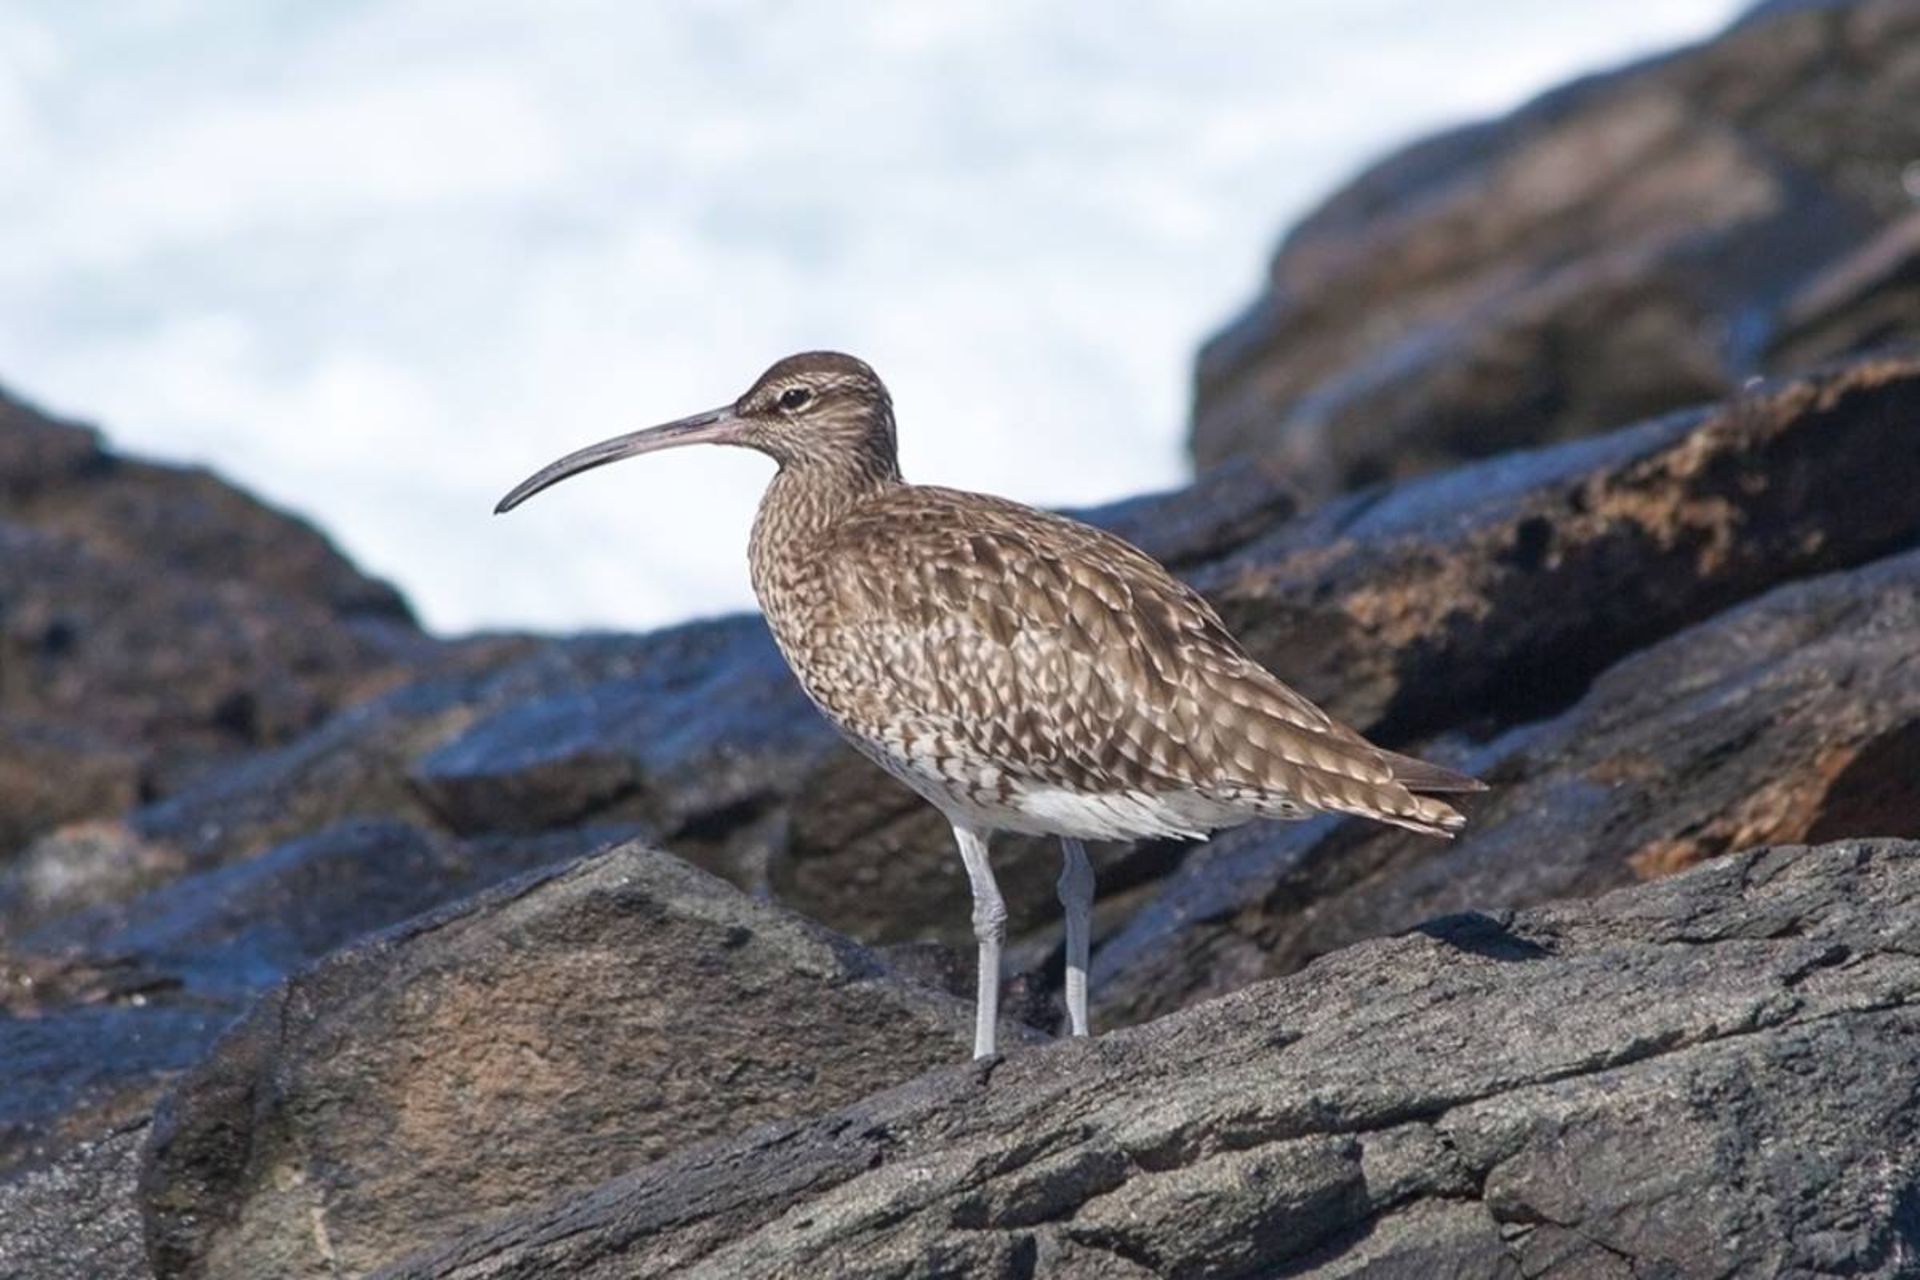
point(819, 409)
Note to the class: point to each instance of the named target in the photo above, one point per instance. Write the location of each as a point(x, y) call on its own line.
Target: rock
point(1710, 1075)
point(154, 621)
point(1494, 593)
point(62, 479)
point(1863, 300)
point(1626, 245)
point(535, 1041)
point(1795, 717)
point(77, 1219)
point(100, 1011)
point(77, 1071)
point(53, 774)
point(696, 733)
point(1224, 508)
point(700, 732)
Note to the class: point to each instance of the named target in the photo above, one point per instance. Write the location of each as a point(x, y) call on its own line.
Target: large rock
point(1628, 244)
point(1712, 1075)
point(694, 732)
point(1494, 593)
point(155, 620)
point(100, 1011)
point(697, 731)
point(1795, 717)
point(535, 1041)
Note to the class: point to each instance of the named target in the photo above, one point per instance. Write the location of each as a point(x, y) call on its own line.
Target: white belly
point(996, 804)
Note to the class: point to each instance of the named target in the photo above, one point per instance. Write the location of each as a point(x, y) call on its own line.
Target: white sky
point(379, 261)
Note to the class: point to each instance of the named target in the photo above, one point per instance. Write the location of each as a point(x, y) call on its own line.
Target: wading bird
point(1020, 670)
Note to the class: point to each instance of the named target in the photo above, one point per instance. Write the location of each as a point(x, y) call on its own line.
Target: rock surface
point(1712, 1075)
point(77, 1218)
point(102, 1010)
point(1632, 243)
point(540, 1039)
point(690, 732)
point(154, 621)
point(1794, 717)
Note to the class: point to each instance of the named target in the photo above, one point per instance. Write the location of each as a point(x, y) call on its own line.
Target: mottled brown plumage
point(1020, 670)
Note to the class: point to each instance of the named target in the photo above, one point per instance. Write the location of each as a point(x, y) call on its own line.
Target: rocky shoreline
point(330, 947)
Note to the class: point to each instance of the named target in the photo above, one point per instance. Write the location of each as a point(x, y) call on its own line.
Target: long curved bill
point(715, 426)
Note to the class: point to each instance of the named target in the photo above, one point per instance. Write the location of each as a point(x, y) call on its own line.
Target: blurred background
point(378, 261)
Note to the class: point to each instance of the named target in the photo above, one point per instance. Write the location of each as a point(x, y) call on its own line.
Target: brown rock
point(533, 1042)
point(1626, 245)
point(101, 1010)
point(1494, 593)
point(154, 621)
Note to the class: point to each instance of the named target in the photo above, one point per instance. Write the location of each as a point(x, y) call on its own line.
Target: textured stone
point(99, 1011)
point(1494, 593)
point(155, 620)
point(696, 732)
point(535, 1041)
point(1628, 244)
point(1710, 1075)
point(76, 1218)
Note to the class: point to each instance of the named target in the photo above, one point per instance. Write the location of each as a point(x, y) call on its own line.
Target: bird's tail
point(1298, 759)
point(1399, 790)
point(1408, 800)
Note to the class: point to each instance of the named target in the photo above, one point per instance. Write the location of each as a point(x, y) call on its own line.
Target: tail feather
point(1425, 778)
point(1385, 801)
point(1401, 808)
point(1305, 760)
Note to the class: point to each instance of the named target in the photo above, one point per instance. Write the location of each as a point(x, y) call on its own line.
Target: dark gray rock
point(231, 932)
point(74, 1072)
point(145, 677)
point(699, 732)
point(1626, 245)
point(536, 1040)
point(155, 621)
point(101, 1011)
point(1795, 717)
point(1710, 1075)
point(77, 1218)
point(693, 733)
point(61, 478)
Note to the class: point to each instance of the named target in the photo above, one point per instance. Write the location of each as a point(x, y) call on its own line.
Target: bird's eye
point(794, 397)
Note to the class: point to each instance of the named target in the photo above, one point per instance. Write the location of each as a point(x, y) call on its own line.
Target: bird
point(1020, 670)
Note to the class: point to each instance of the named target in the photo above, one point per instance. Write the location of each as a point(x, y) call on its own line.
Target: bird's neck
point(800, 509)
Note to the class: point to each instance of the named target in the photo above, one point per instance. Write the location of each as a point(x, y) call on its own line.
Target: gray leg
point(989, 927)
point(1076, 895)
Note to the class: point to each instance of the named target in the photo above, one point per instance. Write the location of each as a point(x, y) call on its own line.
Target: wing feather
point(1059, 654)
